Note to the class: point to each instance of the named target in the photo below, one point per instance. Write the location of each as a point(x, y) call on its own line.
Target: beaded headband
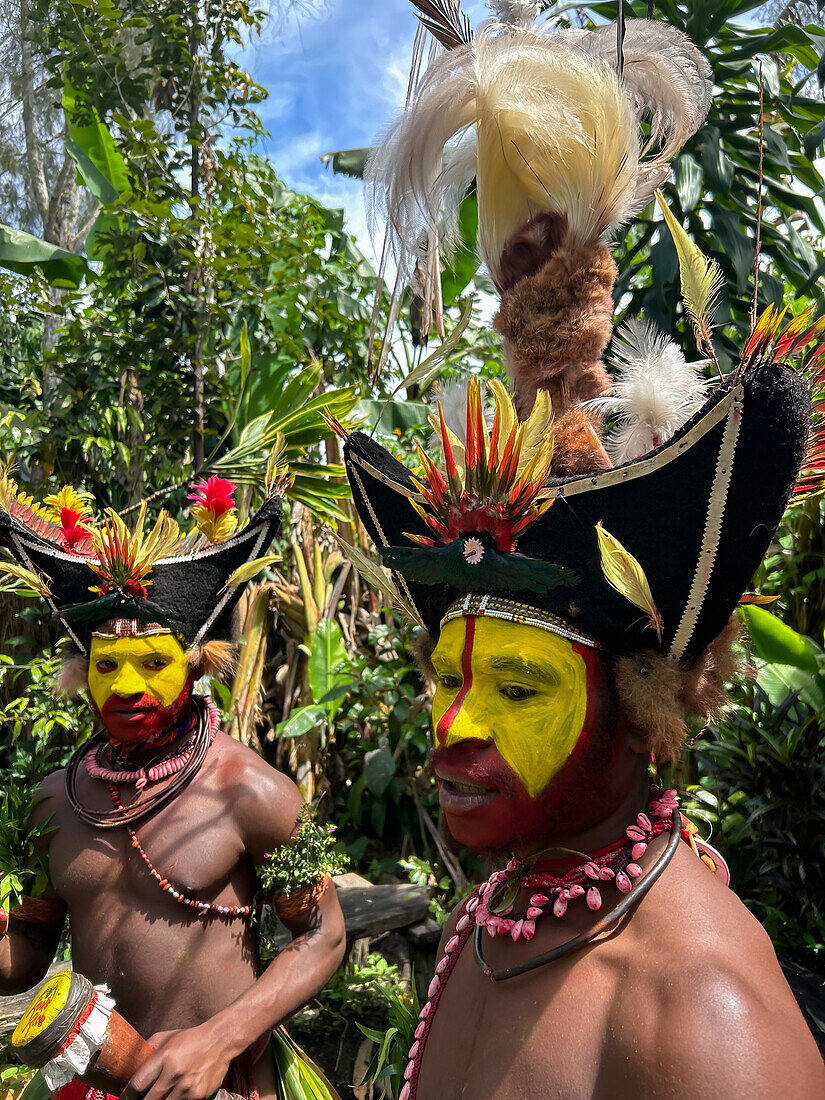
point(496, 607)
point(128, 628)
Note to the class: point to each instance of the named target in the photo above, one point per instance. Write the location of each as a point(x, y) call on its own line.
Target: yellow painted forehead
point(137, 646)
point(500, 645)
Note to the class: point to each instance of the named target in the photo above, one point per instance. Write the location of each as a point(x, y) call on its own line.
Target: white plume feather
point(654, 391)
point(668, 81)
point(518, 13)
point(541, 121)
point(541, 125)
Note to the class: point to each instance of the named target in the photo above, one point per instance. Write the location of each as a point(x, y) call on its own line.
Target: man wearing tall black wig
point(575, 582)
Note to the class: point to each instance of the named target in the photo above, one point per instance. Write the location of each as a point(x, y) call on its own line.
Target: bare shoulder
point(719, 1019)
point(264, 801)
point(49, 797)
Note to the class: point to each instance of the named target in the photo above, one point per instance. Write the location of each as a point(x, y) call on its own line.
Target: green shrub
point(762, 792)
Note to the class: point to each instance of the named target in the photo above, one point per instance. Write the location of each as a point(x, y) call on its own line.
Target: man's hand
point(186, 1065)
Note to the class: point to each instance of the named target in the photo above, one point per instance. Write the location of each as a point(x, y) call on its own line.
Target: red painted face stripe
point(450, 715)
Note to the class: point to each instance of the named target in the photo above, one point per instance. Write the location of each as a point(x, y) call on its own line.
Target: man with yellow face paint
point(575, 588)
point(510, 709)
point(140, 686)
point(161, 819)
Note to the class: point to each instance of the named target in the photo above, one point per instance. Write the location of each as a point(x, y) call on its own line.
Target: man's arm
point(191, 1064)
point(27, 948)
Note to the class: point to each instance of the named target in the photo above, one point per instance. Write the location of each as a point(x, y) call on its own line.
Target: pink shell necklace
point(559, 891)
point(616, 864)
point(169, 765)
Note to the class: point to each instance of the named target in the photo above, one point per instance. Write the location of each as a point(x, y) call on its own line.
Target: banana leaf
point(298, 1076)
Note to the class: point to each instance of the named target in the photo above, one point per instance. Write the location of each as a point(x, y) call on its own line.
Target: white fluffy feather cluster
point(654, 391)
point(538, 118)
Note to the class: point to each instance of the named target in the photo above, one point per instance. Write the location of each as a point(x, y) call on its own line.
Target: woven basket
point(299, 901)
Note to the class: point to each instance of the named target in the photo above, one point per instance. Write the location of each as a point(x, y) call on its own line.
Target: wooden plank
point(371, 910)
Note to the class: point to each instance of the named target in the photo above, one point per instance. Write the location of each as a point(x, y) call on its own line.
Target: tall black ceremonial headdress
point(697, 516)
point(92, 573)
point(643, 539)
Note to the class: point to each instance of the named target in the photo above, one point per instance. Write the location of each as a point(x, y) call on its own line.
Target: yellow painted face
point(149, 664)
point(523, 688)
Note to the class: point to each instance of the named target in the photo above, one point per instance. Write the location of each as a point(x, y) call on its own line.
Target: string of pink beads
point(615, 863)
point(203, 907)
point(452, 951)
point(160, 771)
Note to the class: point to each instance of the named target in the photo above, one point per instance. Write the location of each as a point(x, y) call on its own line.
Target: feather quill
point(445, 22)
point(624, 573)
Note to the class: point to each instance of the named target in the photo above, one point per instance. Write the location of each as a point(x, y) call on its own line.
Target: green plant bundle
point(390, 1059)
point(310, 856)
point(299, 1077)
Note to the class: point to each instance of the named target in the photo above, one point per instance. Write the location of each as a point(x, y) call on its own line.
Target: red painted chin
point(139, 719)
point(500, 816)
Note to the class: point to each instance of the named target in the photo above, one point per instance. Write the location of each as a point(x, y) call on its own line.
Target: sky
point(334, 81)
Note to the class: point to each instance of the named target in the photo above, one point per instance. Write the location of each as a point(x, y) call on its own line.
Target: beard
point(141, 721)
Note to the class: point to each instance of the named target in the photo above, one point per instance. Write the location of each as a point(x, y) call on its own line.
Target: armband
point(39, 911)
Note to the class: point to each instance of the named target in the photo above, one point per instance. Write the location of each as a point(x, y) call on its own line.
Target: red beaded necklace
point(140, 779)
point(202, 907)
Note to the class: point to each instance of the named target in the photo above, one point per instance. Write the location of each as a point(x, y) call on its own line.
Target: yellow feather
point(35, 582)
point(623, 572)
point(702, 279)
point(506, 414)
point(249, 571)
point(537, 437)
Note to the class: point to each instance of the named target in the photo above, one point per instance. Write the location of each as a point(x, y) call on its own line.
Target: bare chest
point(535, 1037)
point(166, 966)
point(191, 843)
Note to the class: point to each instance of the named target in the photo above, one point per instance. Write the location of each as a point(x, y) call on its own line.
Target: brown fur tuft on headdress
point(74, 672)
point(556, 324)
point(648, 686)
point(577, 445)
point(658, 695)
point(214, 658)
